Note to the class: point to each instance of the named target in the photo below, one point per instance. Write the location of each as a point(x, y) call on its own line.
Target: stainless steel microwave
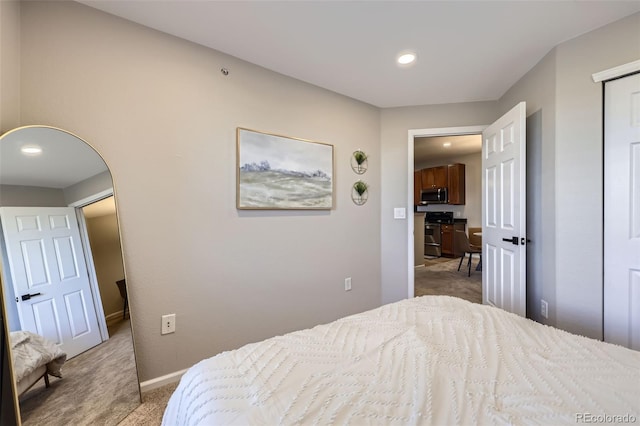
point(434, 196)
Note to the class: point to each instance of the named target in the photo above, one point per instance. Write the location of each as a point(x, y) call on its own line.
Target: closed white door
point(504, 256)
point(622, 212)
point(49, 276)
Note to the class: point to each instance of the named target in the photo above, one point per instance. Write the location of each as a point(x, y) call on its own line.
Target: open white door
point(504, 234)
point(622, 212)
point(49, 276)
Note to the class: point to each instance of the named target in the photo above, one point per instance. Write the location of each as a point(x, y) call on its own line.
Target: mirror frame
point(6, 352)
point(5, 323)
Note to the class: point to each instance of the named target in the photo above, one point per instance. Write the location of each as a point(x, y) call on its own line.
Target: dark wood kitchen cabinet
point(447, 242)
point(451, 177)
point(435, 177)
point(456, 183)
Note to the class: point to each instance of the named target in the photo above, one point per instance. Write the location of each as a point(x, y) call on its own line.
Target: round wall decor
point(360, 193)
point(359, 162)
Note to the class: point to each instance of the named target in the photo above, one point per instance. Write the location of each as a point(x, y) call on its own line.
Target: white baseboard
point(152, 384)
point(114, 317)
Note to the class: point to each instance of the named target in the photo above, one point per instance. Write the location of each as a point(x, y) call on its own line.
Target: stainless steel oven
point(432, 240)
point(432, 235)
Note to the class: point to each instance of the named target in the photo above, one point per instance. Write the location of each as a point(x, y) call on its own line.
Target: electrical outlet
point(347, 284)
point(544, 308)
point(168, 324)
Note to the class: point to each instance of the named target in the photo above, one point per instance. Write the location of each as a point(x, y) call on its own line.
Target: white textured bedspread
point(30, 351)
point(429, 360)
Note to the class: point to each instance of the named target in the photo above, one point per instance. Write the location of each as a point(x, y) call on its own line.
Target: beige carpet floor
point(441, 277)
point(98, 387)
point(152, 408)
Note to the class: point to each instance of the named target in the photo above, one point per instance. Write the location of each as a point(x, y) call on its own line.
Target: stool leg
point(461, 259)
point(124, 309)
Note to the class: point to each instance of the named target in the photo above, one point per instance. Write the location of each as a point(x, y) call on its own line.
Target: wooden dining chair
point(475, 240)
point(462, 241)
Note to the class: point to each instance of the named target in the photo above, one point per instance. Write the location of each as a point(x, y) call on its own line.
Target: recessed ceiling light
point(446, 144)
point(406, 58)
point(31, 150)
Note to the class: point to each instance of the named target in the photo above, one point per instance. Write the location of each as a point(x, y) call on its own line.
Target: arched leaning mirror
point(63, 281)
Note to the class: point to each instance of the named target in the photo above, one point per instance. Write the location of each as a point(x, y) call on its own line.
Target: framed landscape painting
point(279, 172)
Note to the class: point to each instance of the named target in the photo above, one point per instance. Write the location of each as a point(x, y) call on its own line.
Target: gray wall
point(579, 170)
point(88, 187)
point(31, 196)
point(9, 65)
point(394, 127)
point(163, 117)
point(537, 88)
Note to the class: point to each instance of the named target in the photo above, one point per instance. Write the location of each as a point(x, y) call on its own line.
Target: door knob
point(29, 296)
point(512, 240)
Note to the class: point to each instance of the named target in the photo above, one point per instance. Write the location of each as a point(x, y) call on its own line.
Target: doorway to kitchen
point(445, 161)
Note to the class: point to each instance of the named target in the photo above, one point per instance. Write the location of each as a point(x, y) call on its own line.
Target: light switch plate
point(399, 213)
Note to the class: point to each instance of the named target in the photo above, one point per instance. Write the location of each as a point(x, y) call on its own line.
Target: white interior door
point(49, 276)
point(622, 212)
point(504, 212)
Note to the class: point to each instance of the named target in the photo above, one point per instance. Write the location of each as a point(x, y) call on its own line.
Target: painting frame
point(277, 172)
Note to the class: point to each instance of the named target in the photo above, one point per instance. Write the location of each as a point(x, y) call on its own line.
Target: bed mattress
point(428, 360)
point(30, 379)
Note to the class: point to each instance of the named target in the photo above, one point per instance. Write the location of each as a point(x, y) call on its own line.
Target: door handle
point(29, 296)
point(512, 240)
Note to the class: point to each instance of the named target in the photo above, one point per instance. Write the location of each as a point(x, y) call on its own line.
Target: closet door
point(622, 212)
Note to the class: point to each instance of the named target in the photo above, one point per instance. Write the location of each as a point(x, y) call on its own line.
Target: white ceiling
point(432, 150)
point(65, 159)
point(467, 50)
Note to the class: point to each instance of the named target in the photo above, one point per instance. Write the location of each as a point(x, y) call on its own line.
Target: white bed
point(429, 360)
point(34, 358)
